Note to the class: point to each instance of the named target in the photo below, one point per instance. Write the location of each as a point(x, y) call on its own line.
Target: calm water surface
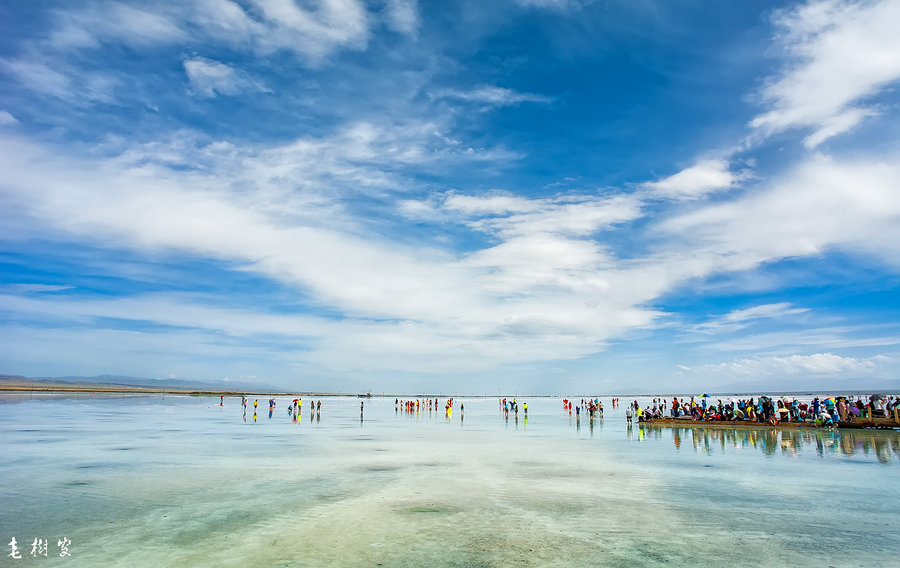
point(181, 481)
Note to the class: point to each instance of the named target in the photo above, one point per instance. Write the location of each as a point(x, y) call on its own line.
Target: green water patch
point(430, 509)
point(334, 497)
point(382, 468)
point(434, 464)
point(102, 466)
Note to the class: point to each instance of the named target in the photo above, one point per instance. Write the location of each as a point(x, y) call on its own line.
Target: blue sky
point(528, 195)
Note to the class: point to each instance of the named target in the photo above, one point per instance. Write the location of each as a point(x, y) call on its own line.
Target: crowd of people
point(821, 411)
point(592, 406)
point(768, 410)
point(412, 406)
point(507, 406)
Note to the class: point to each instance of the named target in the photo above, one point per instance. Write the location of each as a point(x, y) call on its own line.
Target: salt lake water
point(181, 481)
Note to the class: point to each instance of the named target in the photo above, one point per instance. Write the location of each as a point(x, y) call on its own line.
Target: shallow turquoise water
point(181, 481)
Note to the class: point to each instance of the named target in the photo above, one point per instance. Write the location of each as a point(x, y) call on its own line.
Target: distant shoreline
point(110, 389)
point(124, 389)
point(148, 390)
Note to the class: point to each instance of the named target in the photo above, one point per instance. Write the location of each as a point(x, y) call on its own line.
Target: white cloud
point(145, 354)
point(101, 22)
point(226, 20)
point(171, 310)
point(549, 284)
point(816, 364)
point(402, 15)
point(549, 289)
point(740, 319)
point(155, 206)
point(816, 337)
point(311, 30)
point(496, 203)
point(38, 76)
point(581, 218)
point(559, 276)
point(315, 32)
point(7, 119)
point(36, 288)
point(547, 262)
point(61, 80)
point(306, 178)
point(555, 4)
point(837, 124)
point(543, 293)
point(211, 78)
point(494, 96)
point(764, 311)
point(508, 216)
point(137, 25)
point(820, 204)
point(699, 180)
point(841, 52)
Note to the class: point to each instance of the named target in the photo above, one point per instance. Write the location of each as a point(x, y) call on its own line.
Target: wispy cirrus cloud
point(94, 24)
point(402, 15)
point(740, 319)
point(839, 54)
point(38, 76)
point(508, 216)
point(808, 337)
point(49, 65)
point(62, 80)
point(344, 205)
point(536, 296)
point(555, 4)
point(210, 78)
point(549, 284)
point(36, 288)
point(493, 96)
